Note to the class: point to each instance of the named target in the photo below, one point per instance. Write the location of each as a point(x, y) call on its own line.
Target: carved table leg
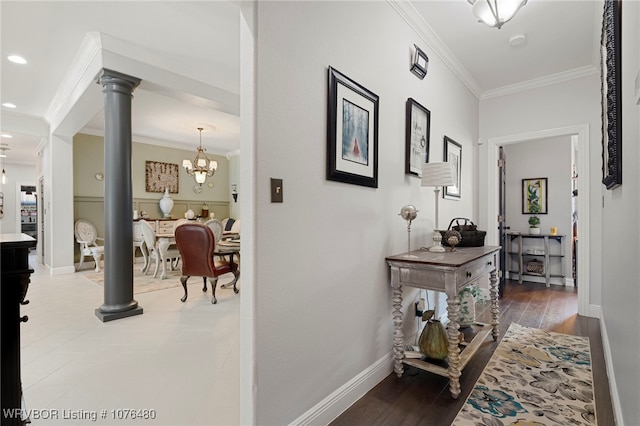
point(493, 290)
point(453, 308)
point(398, 336)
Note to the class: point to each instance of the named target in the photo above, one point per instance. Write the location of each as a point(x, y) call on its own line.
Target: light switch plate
point(276, 190)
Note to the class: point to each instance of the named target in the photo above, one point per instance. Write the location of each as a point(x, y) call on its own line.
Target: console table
point(448, 272)
point(527, 251)
point(14, 264)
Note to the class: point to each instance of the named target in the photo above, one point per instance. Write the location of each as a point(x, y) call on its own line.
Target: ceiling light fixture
point(201, 167)
point(3, 155)
point(495, 13)
point(6, 135)
point(8, 105)
point(17, 59)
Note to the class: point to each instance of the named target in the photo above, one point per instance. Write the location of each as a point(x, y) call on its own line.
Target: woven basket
point(535, 267)
point(471, 237)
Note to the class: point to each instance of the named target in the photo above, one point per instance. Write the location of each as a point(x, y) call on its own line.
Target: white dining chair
point(156, 252)
point(87, 237)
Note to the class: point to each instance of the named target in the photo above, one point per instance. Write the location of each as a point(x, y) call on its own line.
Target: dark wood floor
point(422, 398)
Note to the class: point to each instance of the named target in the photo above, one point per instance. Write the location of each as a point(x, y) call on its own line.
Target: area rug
point(143, 283)
point(533, 378)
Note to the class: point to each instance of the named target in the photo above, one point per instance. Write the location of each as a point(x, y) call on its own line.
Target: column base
point(110, 316)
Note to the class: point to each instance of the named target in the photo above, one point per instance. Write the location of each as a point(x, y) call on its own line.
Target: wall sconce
point(420, 63)
point(234, 193)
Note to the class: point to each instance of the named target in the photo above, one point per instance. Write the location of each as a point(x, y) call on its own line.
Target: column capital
point(114, 80)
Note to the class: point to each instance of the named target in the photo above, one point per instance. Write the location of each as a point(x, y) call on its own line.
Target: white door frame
point(582, 133)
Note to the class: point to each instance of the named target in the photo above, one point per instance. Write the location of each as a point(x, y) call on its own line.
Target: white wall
point(621, 235)
point(323, 305)
point(17, 174)
point(551, 159)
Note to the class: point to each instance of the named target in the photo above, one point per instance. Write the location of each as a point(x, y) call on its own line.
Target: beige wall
point(88, 159)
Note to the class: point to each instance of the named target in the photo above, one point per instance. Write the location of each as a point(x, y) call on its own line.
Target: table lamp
point(437, 175)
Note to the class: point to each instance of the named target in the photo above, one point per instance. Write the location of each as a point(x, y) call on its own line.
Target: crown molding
point(540, 82)
point(415, 20)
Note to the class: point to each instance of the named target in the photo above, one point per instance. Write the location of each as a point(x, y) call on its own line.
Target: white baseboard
point(335, 404)
point(613, 388)
point(595, 311)
point(61, 270)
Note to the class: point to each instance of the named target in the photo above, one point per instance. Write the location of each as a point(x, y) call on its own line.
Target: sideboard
point(15, 273)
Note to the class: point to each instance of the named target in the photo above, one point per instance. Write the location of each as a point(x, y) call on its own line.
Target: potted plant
point(468, 297)
point(534, 221)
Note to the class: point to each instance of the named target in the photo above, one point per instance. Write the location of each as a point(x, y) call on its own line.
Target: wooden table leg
point(493, 290)
point(453, 309)
point(398, 336)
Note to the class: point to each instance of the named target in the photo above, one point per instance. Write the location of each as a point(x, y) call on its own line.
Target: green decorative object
point(433, 341)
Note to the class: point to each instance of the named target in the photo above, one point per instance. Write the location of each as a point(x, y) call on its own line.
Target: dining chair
point(197, 244)
point(152, 245)
point(138, 243)
point(87, 237)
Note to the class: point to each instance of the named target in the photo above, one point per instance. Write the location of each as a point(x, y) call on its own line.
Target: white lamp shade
point(201, 177)
point(213, 165)
point(496, 12)
point(202, 162)
point(187, 164)
point(437, 174)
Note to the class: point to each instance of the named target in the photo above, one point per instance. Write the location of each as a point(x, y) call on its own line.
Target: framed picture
point(453, 155)
point(534, 196)
point(159, 176)
point(420, 62)
point(352, 132)
point(417, 137)
point(611, 95)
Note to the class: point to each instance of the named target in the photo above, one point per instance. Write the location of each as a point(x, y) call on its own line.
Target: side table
point(448, 272)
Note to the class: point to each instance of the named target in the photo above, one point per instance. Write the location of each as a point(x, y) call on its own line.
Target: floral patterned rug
point(534, 378)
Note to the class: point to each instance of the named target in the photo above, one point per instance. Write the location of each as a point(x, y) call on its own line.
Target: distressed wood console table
point(448, 272)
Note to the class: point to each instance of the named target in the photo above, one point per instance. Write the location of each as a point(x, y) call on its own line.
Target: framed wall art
point(417, 137)
point(159, 176)
point(453, 155)
point(534, 196)
point(352, 132)
point(611, 94)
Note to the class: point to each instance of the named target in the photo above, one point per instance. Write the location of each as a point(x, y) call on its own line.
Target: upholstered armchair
point(197, 243)
point(87, 237)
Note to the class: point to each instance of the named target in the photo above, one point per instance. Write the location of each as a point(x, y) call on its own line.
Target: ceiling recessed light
point(8, 105)
point(5, 135)
point(517, 40)
point(17, 59)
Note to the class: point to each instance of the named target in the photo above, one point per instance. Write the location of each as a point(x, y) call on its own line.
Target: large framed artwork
point(453, 155)
point(534, 196)
point(417, 137)
point(352, 132)
point(611, 94)
point(159, 176)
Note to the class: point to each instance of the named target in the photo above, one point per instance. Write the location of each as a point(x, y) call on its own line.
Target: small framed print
point(453, 155)
point(417, 138)
point(534, 196)
point(352, 132)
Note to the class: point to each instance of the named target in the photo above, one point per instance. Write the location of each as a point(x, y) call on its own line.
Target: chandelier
point(201, 167)
point(495, 13)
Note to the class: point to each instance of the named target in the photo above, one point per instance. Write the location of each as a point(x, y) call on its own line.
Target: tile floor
point(179, 359)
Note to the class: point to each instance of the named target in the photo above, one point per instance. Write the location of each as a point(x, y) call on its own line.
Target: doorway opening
point(581, 135)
